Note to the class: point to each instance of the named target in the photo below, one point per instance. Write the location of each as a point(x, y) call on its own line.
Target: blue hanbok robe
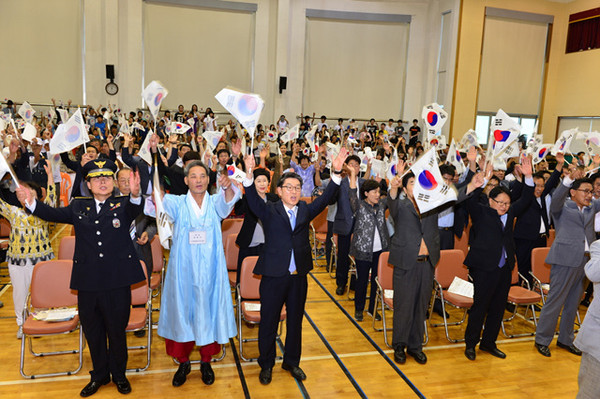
point(196, 300)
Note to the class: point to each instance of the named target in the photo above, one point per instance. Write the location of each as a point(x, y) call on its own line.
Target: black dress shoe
point(181, 373)
point(140, 333)
point(295, 371)
point(265, 376)
point(123, 386)
point(585, 302)
point(420, 357)
point(358, 316)
point(340, 290)
point(493, 351)
point(208, 375)
point(543, 349)
point(377, 316)
point(93, 386)
point(571, 348)
point(399, 356)
point(470, 353)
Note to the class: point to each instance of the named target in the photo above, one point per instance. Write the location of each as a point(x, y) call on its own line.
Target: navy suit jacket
point(142, 166)
point(344, 217)
point(491, 236)
point(280, 240)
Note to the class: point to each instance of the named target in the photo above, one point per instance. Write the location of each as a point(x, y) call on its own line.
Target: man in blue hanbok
point(196, 307)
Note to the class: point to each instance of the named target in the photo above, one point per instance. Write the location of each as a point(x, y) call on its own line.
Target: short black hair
point(191, 156)
point(367, 186)
point(289, 175)
point(446, 169)
point(352, 158)
point(222, 150)
point(406, 178)
point(496, 191)
point(184, 145)
point(35, 187)
point(595, 176)
point(262, 172)
point(577, 183)
point(415, 120)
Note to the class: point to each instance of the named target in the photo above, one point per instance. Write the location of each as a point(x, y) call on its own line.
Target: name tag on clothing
point(197, 237)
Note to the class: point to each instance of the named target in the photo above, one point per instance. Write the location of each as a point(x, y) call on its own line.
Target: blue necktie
point(292, 267)
point(503, 219)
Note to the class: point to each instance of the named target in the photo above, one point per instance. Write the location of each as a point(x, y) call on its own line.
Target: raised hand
point(237, 147)
point(526, 166)
point(134, 183)
point(224, 181)
point(338, 162)
point(560, 158)
point(250, 163)
point(24, 195)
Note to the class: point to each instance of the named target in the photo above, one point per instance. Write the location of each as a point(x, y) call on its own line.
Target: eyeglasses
point(290, 189)
point(501, 203)
point(586, 192)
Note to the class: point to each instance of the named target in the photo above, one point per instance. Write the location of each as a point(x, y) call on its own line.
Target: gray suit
point(413, 279)
point(568, 257)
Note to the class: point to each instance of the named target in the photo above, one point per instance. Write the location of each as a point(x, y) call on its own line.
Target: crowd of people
point(512, 208)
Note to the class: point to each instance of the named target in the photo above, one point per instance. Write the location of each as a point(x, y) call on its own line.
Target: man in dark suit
point(105, 266)
point(284, 263)
point(145, 171)
point(533, 223)
point(343, 225)
point(414, 253)
point(490, 260)
point(79, 187)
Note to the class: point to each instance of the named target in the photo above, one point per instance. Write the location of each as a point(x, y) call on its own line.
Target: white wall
point(114, 35)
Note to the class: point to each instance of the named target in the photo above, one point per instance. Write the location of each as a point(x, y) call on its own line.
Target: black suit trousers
point(274, 293)
point(489, 301)
point(105, 314)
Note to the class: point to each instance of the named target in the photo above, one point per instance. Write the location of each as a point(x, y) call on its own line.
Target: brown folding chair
point(230, 226)
point(462, 243)
point(551, 236)
point(249, 295)
point(231, 259)
point(140, 318)
point(521, 295)
point(384, 280)
point(540, 271)
point(50, 289)
point(308, 200)
point(158, 266)
point(66, 248)
point(450, 266)
point(319, 234)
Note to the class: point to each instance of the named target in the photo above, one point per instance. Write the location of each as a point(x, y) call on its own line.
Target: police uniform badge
point(116, 223)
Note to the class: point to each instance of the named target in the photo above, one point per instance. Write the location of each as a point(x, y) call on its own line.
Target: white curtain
point(355, 68)
point(41, 50)
point(512, 66)
point(196, 52)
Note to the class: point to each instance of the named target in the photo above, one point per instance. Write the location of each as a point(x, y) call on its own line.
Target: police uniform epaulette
point(83, 198)
point(121, 196)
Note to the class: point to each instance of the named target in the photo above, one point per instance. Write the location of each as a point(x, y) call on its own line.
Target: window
point(584, 31)
point(484, 121)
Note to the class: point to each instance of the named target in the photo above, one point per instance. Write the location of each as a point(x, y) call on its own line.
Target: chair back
point(249, 282)
point(450, 266)
point(50, 284)
point(4, 228)
point(66, 248)
point(462, 243)
point(385, 271)
point(139, 291)
point(515, 275)
point(230, 226)
point(158, 259)
point(65, 185)
point(308, 200)
point(551, 236)
point(231, 252)
point(539, 267)
point(320, 222)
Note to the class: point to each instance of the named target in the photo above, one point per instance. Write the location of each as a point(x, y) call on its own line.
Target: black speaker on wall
point(110, 72)
point(282, 83)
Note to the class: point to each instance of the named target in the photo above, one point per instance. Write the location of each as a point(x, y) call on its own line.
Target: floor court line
point(370, 340)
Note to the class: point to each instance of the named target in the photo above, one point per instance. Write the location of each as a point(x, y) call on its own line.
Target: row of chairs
point(50, 289)
point(451, 266)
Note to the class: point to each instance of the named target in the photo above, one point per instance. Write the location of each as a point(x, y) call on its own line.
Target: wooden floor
point(341, 358)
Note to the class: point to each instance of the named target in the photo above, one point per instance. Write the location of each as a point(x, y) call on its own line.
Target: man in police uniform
point(105, 265)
